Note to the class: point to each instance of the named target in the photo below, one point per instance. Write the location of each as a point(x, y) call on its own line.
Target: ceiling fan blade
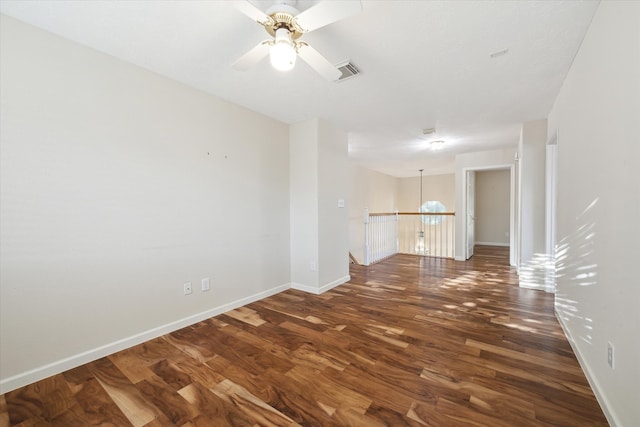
point(252, 57)
point(327, 12)
point(252, 12)
point(318, 62)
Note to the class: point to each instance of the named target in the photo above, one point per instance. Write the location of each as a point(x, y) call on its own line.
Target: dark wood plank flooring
point(410, 341)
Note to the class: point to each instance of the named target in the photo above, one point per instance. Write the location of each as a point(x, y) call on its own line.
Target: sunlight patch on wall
point(575, 268)
point(535, 272)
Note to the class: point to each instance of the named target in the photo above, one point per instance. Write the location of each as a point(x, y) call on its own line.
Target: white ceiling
point(423, 64)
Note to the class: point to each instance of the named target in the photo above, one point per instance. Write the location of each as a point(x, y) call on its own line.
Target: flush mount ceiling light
point(436, 145)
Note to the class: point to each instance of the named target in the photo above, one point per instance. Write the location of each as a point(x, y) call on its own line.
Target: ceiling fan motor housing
point(284, 20)
point(285, 6)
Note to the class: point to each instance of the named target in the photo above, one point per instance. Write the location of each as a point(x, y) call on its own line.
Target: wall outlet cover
point(187, 288)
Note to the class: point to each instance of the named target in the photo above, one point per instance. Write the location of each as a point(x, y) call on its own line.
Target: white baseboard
point(492, 244)
point(40, 373)
point(533, 286)
point(595, 386)
point(304, 288)
point(337, 282)
point(321, 289)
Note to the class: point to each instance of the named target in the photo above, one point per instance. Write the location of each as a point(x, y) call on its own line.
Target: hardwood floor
point(409, 341)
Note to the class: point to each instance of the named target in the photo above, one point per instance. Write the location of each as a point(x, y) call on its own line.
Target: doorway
point(469, 211)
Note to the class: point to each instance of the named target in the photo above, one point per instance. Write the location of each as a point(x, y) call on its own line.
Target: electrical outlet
point(187, 288)
point(313, 266)
point(610, 359)
point(205, 284)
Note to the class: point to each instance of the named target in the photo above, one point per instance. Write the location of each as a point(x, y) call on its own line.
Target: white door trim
point(551, 195)
point(512, 214)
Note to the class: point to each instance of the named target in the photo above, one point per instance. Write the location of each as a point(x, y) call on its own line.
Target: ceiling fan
point(286, 25)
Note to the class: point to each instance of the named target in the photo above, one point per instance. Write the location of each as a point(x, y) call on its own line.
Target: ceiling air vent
point(348, 71)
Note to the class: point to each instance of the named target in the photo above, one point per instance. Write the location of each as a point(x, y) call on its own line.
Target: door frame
point(512, 207)
point(470, 216)
point(551, 201)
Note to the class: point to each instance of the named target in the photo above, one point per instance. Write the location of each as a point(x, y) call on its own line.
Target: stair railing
point(418, 233)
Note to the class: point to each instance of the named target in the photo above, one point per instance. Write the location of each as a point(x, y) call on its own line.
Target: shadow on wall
point(576, 269)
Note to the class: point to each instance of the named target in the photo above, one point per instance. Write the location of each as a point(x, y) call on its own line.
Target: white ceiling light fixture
point(283, 53)
point(436, 145)
point(286, 25)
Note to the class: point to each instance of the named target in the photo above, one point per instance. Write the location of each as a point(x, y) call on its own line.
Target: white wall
point(596, 116)
point(319, 177)
point(333, 221)
point(374, 191)
point(482, 160)
point(118, 185)
point(532, 154)
point(533, 260)
point(303, 167)
point(492, 210)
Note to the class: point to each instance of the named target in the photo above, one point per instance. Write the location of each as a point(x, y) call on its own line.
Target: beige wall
point(434, 187)
point(383, 193)
point(374, 191)
point(493, 189)
point(117, 186)
point(595, 117)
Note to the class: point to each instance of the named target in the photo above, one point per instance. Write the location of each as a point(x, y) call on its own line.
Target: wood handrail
point(413, 213)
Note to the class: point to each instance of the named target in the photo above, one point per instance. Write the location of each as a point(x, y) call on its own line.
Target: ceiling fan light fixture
point(283, 53)
point(285, 25)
